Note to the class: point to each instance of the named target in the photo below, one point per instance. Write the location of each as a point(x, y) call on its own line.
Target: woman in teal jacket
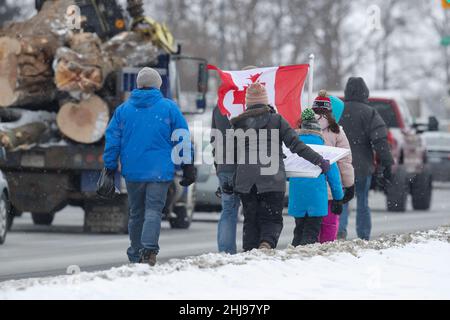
point(308, 197)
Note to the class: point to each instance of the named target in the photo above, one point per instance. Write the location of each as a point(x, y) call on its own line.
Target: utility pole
point(222, 51)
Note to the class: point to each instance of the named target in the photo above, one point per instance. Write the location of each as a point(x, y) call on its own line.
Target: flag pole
point(311, 80)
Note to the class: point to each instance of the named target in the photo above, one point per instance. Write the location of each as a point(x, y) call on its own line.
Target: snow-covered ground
point(410, 266)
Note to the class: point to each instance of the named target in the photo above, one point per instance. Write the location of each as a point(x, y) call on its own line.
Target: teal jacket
point(308, 197)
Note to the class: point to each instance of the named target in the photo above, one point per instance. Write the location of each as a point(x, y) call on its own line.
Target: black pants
point(263, 218)
point(306, 231)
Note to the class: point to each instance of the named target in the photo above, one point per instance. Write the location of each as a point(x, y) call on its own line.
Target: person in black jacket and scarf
point(260, 177)
point(367, 133)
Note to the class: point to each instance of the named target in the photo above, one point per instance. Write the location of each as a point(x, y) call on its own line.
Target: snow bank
point(411, 266)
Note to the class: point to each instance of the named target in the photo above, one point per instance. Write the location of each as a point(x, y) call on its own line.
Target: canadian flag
point(284, 87)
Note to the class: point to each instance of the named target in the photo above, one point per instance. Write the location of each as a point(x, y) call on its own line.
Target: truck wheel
point(183, 218)
point(397, 192)
point(4, 218)
point(38, 4)
point(11, 216)
point(421, 190)
point(106, 216)
point(42, 219)
point(184, 213)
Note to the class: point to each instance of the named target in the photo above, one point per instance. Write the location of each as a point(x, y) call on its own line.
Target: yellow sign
point(446, 4)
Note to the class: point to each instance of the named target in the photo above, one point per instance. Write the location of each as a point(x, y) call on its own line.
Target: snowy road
point(32, 251)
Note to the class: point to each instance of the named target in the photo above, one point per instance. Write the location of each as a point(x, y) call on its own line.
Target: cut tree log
point(84, 67)
point(131, 49)
point(10, 115)
point(23, 136)
point(85, 121)
point(27, 50)
point(50, 21)
point(25, 71)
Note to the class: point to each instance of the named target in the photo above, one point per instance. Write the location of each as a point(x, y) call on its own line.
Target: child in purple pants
point(328, 112)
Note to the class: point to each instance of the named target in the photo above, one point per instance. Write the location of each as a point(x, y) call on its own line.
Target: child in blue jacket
point(308, 197)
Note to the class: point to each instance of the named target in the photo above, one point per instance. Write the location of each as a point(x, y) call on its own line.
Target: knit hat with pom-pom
point(309, 121)
point(256, 94)
point(322, 101)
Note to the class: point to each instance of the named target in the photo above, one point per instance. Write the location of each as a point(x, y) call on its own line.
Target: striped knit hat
point(256, 94)
point(322, 101)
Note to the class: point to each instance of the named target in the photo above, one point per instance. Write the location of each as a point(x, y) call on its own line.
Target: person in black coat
point(260, 174)
point(367, 133)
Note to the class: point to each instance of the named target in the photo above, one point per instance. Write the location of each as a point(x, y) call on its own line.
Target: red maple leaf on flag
point(239, 96)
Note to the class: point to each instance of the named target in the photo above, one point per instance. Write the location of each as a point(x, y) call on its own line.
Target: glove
point(324, 165)
point(387, 173)
point(189, 175)
point(337, 207)
point(227, 188)
point(349, 194)
point(219, 193)
point(106, 186)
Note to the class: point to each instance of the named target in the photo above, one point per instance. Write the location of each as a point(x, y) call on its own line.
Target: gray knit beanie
point(149, 78)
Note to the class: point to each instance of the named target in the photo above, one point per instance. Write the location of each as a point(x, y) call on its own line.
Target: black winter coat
point(365, 129)
point(248, 174)
point(222, 124)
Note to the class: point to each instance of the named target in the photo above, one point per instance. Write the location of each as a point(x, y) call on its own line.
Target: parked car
point(5, 210)
point(411, 172)
point(207, 181)
point(438, 153)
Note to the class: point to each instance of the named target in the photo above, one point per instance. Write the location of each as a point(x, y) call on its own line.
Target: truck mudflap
point(106, 216)
point(38, 192)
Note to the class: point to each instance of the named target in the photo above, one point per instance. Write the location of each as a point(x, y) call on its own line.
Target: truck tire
point(397, 191)
point(42, 219)
point(182, 220)
point(11, 216)
point(101, 216)
point(4, 218)
point(422, 190)
point(38, 4)
point(183, 214)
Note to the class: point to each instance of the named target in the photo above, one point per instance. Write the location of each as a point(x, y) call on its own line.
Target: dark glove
point(387, 173)
point(189, 175)
point(219, 193)
point(349, 194)
point(106, 186)
point(337, 207)
point(227, 188)
point(324, 165)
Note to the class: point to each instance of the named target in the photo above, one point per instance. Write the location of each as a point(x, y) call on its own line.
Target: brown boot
point(148, 257)
point(152, 260)
point(265, 246)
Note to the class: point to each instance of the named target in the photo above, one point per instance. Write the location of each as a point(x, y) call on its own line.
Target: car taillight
point(391, 140)
point(90, 158)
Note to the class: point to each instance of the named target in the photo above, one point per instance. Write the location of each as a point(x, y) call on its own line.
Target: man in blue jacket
point(141, 133)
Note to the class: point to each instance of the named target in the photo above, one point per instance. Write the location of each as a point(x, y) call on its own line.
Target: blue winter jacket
point(140, 133)
point(309, 196)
